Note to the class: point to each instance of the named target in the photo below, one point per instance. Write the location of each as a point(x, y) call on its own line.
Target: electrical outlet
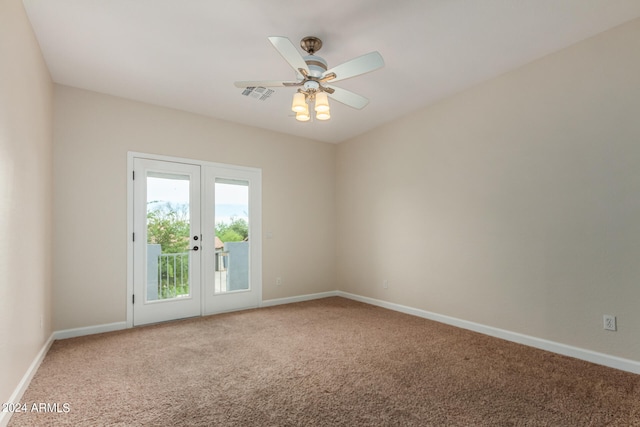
point(385, 284)
point(609, 322)
point(278, 281)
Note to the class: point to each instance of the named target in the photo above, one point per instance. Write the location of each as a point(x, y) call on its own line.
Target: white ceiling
point(187, 54)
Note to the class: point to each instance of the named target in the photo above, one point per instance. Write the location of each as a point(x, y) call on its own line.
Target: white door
point(232, 221)
point(167, 241)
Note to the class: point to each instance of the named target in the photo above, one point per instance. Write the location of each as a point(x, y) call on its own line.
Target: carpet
point(328, 362)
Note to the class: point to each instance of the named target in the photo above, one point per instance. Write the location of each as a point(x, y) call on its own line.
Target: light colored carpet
point(329, 362)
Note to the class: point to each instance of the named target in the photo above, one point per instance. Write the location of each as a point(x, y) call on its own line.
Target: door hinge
point(133, 235)
point(133, 299)
point(134, 175)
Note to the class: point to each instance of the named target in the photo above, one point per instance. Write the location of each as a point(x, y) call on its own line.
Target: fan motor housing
point(317, 65)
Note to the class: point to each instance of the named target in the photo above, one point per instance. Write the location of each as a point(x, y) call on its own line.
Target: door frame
point(255, 224)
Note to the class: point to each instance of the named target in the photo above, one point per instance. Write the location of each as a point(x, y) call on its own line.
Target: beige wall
point(93, 133)
point(515, 204)
point(26, 94)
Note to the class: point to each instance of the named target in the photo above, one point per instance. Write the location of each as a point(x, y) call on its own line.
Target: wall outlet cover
point(609, 322)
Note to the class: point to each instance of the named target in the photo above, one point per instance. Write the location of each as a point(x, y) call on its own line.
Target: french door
point(166, 240)
point(196, 239)
point(232, 211)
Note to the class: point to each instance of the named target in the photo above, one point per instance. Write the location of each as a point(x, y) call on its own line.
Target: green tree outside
point(168, 226)
point(236, 230)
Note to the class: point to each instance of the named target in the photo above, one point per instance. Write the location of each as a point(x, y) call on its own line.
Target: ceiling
point(187, 54)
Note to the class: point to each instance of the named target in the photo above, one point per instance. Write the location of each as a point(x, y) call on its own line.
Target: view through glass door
point(167, 241)
point(231, 259)
point(232, 218)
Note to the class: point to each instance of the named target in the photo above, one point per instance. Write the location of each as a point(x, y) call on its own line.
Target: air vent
point(260, 93)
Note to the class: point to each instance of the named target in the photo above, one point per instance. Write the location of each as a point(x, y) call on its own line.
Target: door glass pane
point(232, 235)
point(168, 232)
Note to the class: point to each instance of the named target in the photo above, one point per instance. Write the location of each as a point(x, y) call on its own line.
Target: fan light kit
point(313, 74)
point(301, 107)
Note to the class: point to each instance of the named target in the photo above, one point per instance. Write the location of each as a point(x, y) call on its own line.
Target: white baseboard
point(299, 298)
point(622, 364)
point(116, 326)
point(89, 330)
point(24, 382)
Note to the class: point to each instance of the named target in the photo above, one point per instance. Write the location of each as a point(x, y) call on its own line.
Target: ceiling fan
point(313, 76)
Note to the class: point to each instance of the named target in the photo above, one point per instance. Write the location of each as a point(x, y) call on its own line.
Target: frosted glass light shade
point(303, 116)
point(323, 115)
point(322, 103)
point(299, 104)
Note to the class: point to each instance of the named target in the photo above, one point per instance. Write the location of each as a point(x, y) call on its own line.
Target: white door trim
point(257, 225)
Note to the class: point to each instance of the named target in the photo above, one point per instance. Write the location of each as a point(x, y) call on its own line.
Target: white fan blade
point(348, 98)
point(268, 83)
point(289, 53)
point(357, 66)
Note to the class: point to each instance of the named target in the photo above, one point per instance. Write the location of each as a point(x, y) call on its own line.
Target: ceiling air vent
point(260, 93)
